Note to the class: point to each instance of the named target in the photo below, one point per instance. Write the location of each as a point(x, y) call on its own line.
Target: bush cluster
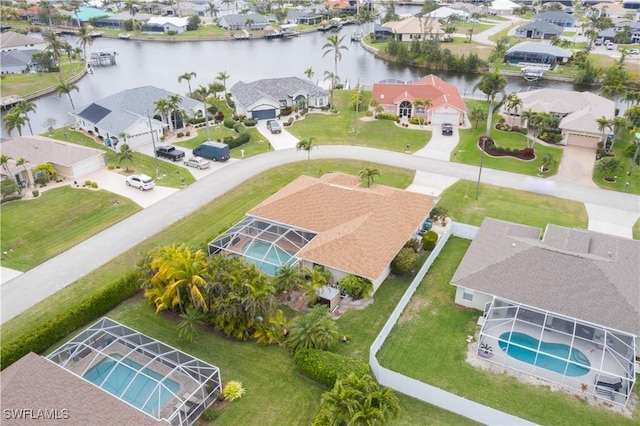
point(356, 287)
point(326, 367)
point(429, 240)
point(76, 315)
point(249, 122)
point(228, 123)
point(385, 116)
point(404, 261)
point(241, 139)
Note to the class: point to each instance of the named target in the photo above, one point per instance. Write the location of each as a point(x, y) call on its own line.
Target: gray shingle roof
point(573, 272)
point(39, 150)
point(275, 89)
point(534, 47)
point(555, 15)
point(16, 58)
point(543, 27)
point(11, 39)
point(241, 18)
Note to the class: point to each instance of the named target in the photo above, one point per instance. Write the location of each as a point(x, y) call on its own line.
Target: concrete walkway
point(42, 281)
point(483, 37)
point(430, 183)
point(283, 140)
point(610, 220)
point(440, 146)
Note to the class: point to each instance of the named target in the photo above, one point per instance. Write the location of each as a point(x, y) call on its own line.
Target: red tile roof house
point(329, 221)
point(399, 97)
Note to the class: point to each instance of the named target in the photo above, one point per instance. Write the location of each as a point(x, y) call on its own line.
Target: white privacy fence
point(420, 390)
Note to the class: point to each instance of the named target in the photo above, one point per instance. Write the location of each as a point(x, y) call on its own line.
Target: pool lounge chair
point(608, 385)
point(192, 398)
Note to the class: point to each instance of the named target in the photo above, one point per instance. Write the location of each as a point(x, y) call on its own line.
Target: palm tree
point(55, 46)
point(307, 145)
point(132, 7)
point(548, 162)
point(65, 88)
point(215, 88)
point(212, 10)
point(368, 173)
point(309, 73)
point(161, 106)
point(24, 107)
point(184, 272)
point(188, 327)
point(491, 84)
point(4, 162)
point(203, 92)
point(173, 104)
point(288, 277)
point(187, 76)
point(84, 39)
point(334, 45)
point(315, 330)
point(125, 155)
point(424, 104)
point(604, 123)
point(608, 167)
point(223, 77)
point(512, 103)
point(477, 115)
point(14, 120)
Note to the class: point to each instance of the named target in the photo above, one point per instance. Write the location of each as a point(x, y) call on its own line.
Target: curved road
point(44, 280)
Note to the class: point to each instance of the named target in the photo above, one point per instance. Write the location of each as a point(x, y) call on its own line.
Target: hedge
point(429, 240)
point(383, 116)
point(75, 316)
point(240, 140)
point(326, 367)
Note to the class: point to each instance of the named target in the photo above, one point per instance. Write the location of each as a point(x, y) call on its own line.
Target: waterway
point(159, 64)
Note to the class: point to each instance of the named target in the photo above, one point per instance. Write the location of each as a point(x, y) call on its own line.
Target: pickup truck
point(169, 152)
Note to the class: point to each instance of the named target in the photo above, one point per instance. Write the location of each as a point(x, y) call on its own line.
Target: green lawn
point(170, 174)
point(512, 205)
point(629, 174)
point(429, 344)
point(256, 145)
point(25, 84)
point(468, 152)
point(343, 129)
point(34, 231)
point(636, 230)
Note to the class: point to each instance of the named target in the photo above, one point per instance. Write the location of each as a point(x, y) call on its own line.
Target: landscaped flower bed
point(494, 150)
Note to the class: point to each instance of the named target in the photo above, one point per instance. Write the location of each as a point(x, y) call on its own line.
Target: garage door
point(440, 118)
point(586, 141)
point(87, 166)
point(264, 114)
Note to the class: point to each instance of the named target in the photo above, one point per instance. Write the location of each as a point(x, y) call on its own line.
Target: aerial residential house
point(562, 307)
point(406, 99)
point(306, 16)
point(132, 113)
point(11, 40)
point(415, 28)
point(503, 7)
point(567, 3)
point(445, 13)
point(562, 19)
point(243, 21)
point(165, 24)
point(117, 20)
point(539, 30)
point(530, 52)
point(331, 222)
point(17, 61)
point(631, 4)
point(612, 10)
point(86, 14)
point(468, 7)
point(264, 99)
point(578, 112)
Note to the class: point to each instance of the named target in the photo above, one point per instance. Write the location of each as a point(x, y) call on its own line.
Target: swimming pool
point(528, 349)
point(122, 380)
point(266, 256)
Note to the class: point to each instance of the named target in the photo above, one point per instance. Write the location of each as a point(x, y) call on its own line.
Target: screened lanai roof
point(266, 243)
point(157, 379)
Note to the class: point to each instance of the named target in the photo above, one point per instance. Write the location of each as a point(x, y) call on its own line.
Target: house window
point(467, 295)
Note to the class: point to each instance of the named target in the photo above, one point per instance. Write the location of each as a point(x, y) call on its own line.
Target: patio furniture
point(608, 385)
point(192, 398)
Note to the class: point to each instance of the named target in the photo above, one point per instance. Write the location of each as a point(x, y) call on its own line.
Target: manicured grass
point(429, 344)
point(256, 145)
point(343, 129)
point(25, 84)
point(511, 205)
point(636, 230)
point(629, 174)
point(468, 152)
point(34, 231)
point(170, 174)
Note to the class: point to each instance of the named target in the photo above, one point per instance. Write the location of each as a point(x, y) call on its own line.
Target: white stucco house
point(164, 24)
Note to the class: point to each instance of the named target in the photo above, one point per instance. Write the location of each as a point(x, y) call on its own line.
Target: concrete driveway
point(284, 140)
point(577, 166)
point(440, 146)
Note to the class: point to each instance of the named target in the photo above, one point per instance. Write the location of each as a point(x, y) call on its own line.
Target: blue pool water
point(134, 389)
point(527, 354)
point(267, 257)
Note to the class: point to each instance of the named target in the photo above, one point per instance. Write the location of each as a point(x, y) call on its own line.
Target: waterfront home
point(164, 24)
point(530, 52)
point(243, 21)
point(503, 7)
point(414, 28)
point(539, 30)
point(562, 19)
point(12, 40)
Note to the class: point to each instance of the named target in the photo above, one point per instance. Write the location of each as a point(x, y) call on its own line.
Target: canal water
point(159, 64)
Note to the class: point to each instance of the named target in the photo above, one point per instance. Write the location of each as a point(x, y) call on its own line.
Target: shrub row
point(241, 139)
point(384, 116)
point(326, 367)
point(44, 336)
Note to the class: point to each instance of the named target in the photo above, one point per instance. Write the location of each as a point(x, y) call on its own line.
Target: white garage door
point(440, 118)
point(586, 141)
point(84, 167)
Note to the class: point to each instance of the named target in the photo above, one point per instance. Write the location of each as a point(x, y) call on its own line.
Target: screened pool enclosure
point(161, 381)
point(264, 243)
point(586, 357)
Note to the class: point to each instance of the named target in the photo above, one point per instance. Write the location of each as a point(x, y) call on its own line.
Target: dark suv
point(447, 129)
point(274, 126)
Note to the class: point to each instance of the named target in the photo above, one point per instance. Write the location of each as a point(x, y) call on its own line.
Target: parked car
point(598, 42)
point(142, 182)
point(215, 151)
point(447, 129)
point(274, 126)
point(633, 52)
point(198, 163)
point(169, 152)
point(610, 46)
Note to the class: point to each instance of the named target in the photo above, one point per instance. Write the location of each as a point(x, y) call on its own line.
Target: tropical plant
point(317, 277)
point(84, 39)
point(548, 162)
point(334, 46)
point(223, 76)
point(24, 107)
point(309, 73)
point(609, 167)
point(307, 145)
point(404, 261)
point(23, 162)
point(512, 103)
point(4, 162)
point(271, 331)
point(477, 115)
point(356, 287)
point(65, 88)
point(188, 327)
point(233, 390)
point(368, 173)
point(55, 46)
point(315, 330)
point(14, 120)
point(163, 109)
point(125, 155)
point(491, 84)
point(173, 104)
point(288, 277)
point(9, 187)
point(603, 124)
point(187, 76)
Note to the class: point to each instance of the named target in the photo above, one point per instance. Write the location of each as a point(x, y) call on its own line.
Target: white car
point(142, 182)
point(198, 162)
point(633, 52)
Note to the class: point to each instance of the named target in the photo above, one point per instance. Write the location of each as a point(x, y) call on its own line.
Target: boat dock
point(102, 59)
point(9, 101)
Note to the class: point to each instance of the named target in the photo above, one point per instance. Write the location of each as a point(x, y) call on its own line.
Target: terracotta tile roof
point(429, 87)
point(574, 272)
point(360, 230)
point(35, 383)
point(39, 150)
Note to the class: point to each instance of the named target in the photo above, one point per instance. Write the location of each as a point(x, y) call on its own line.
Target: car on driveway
point(447, 129)
point(274, 126)
point(633, 52)
point(197, 162)
point(142, 182)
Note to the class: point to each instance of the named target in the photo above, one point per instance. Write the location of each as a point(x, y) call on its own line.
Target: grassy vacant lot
point(508, 204)
point(25, 84)
point(170, 174)
point(36, 230)
point(468, 152)
point(429, 344)
point(343, 129)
